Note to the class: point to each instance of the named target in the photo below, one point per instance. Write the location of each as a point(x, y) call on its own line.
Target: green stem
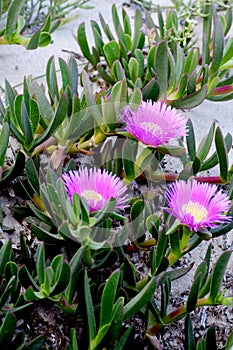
point(87, 258)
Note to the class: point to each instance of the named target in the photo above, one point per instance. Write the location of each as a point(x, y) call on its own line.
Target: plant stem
point(177, 314)
point(170, 177)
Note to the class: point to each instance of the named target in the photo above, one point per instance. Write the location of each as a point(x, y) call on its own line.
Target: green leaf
point(11, 269)
point(228, 51)
point(182, 86)
point(211, 340)
point(34, 114)
point(178, 273)
point(126, 22)
point(10, 94)
point(206, 30)
point(34, 41)
point(229, 343)
point(98, 38)
point(192, 59)
point(190, 101)
point(151, 58)
point(76, 264)
point(191, 142)
point(89, 309)
point(12, 18)
point(5, 255)
point(128, 155)
point(108, 297)
point(206, 143)
point(189, 336)
point(161, 67)
point(118, 96)
point(7, 330)
point(142, 298)
point(47, 24)
point(160, 251)
point(140, 59)
point(152, 224)
point(45, 39)
point(133, 69)
point(179, 64)
point(26, 127)
point(218, 274)
point(59, 116)
point(174, 151)
point(161, 22)
point(165, 295)
point(46, 236)
point(201, 344)
point(139, 37)
point(73, 341)
point(25, 252)
point(121, 343)
point(221, 150)
point(136, 210)
point(135, 98)
point(193, 294)
point(218, 44)
point(26, 278)
point(74, 76)
point(175, 243)
point(14, 170)
point(32, 175)
point(83, 43)
point(116, 322)
point(111, 52)
point(51, 78)
point(117, 24)
point(61, 275)
point(129, 273)
point(106, 211)
point(213, 160)
point(65, 74)
point(94, 110)
point(102, 72)
point(40, 263)
point(106, 28)
point(46, 110)
point(4, 139)
point(36, 344)
point(6, 294)
point(151, 90)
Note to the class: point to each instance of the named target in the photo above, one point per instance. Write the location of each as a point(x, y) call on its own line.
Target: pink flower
point(96, 186)
point(197, 205)
point(154, 124)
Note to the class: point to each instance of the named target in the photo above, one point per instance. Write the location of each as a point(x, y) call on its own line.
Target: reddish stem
point(170, 177)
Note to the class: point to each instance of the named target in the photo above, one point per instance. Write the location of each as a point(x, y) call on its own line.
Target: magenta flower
point(96, 186)
point(197, 205)
point(154, 124)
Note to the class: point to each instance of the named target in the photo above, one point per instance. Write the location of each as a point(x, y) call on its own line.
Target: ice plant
point(154, 124)
point(96, 186)
point(197, 205)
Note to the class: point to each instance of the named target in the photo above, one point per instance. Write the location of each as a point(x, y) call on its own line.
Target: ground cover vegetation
point(95, 196)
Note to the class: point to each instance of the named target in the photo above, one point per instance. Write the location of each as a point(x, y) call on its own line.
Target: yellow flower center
point(197, 210)
point(153, 128)
point(92, 195)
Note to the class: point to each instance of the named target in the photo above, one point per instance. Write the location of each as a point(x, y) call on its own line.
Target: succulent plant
point(184, 79)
